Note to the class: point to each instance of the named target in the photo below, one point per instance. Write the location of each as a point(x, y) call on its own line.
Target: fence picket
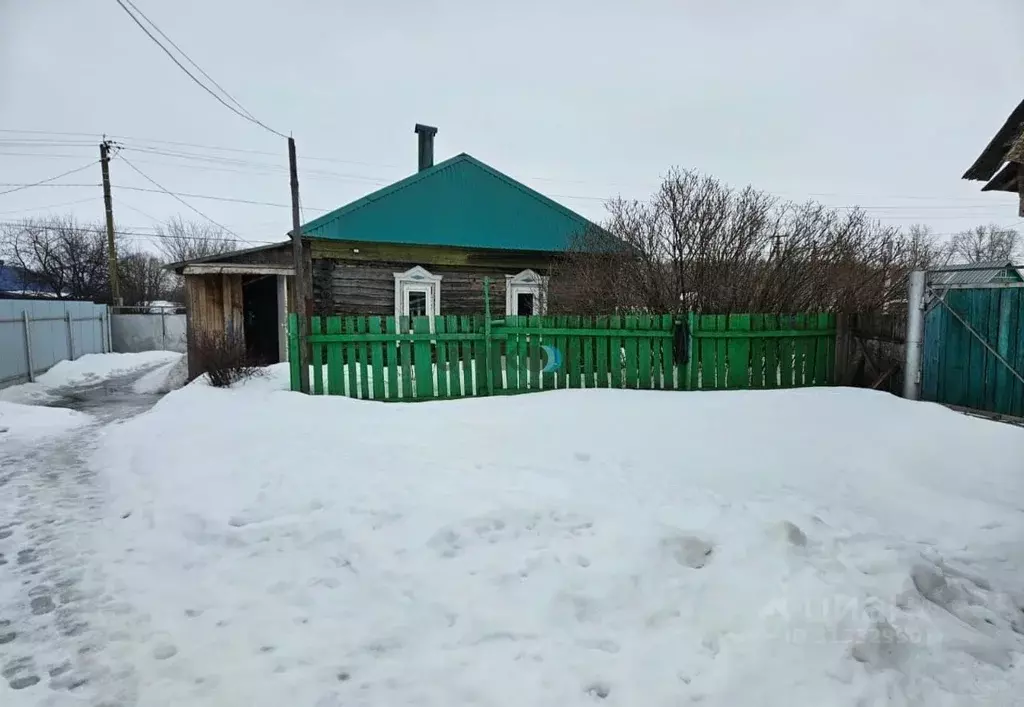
point(667, 357)
point(405, 355)
point(391, 353)
point(708, 353)
point(442, 359)
point(512, 352)
point(575, 354)
point(615, 353)
point(643, 322)
point(373, 325)
point(587, 353)
point(481, 367)
point(293, 351)
point(632, 364)
point(467, 358)
point(423, 361)
point(602, 352)
point(739, 352)
point(824, 344)
point(363, 356)
point(451, 325)
point(536, 353)
point(757, 353)
point(350, 359)
point(317, 358)
point(335, 364)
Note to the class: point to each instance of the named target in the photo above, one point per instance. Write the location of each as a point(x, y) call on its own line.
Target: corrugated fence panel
point(57, 330)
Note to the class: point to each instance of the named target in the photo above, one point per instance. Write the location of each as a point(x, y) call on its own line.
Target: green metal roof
point(459, 202)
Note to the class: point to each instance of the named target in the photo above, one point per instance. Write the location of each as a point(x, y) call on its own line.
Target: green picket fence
point(759, 351)
point(431, 358)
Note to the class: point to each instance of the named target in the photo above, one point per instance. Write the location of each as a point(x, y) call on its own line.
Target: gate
point(974, 345)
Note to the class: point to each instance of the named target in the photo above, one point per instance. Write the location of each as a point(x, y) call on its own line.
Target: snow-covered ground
point(792, 548)
point(87, 369)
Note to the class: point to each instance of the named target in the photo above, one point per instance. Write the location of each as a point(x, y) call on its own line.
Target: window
point(525, 294)
point(524, 304)
point(417, 293)
point(417, 304)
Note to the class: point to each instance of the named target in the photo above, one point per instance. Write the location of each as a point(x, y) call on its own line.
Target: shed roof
point(460, 202)
point(998, 149)
point(976, 274)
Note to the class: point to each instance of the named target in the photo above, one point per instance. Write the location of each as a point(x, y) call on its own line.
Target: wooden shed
point(248, 291)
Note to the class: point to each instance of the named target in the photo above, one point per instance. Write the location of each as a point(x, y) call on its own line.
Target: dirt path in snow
point(53, 607)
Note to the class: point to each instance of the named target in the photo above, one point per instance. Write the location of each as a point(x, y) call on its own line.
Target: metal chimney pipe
point(426, 146)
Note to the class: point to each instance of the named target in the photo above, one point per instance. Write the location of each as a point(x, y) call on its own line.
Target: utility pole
point(299, 303)
point(115, 280)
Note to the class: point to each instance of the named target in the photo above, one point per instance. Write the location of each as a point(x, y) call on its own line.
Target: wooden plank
point(930, 355)
point(615, 353)
point(512, 352)
point(786, 353)
point(405, 356)
point(480, 365)
point(738, 351)
point(668, 378)
point(499, 377)
point(317, 358)
point(335, 361)
point(523, 354)
point(1005, 338)
point(451, 324)
point(373, 325)
point(771, 353)
point(643, 353)
point(992, 298)
point(957, 350)
point(350, 360)
point(825, 366)
point(722, 352)
point(363, 353)
point(1017, 332)
point(588, 379)
point(575, 358)
point(757, 353)
point(293, 351)
point(423, 360)
point(980, 358)
point(601, 353)
point(632, 354)
point(655, 353)
point(441, 355)
point(562, 344)
point(798, 344)
point(465, 326)
point(391, 354)
point(536, 354)
point(708, 376)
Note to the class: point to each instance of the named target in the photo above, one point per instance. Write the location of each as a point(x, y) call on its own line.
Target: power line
point(192, 76)
point(216, 198)
point(45, 181)
point(179, 199)
point(51, 206)
point(190, 61)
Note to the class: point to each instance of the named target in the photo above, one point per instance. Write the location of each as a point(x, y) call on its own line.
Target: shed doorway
point(260, 308)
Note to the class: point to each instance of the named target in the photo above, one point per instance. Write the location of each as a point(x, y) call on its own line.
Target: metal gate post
point(71, 336)
point(915, 335)
point(28, 345)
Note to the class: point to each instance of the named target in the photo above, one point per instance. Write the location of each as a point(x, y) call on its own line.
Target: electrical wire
point(50, 179)
point(51, 206)
point(192, 76)
point(175, 196)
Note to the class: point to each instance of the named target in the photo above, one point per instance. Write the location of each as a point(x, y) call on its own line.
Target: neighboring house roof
point(17, 280)
point(223, 257)
point(460, 202)
point(976, 274)
point(1007, 147)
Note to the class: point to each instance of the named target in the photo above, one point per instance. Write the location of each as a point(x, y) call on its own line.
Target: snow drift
point(810, 547)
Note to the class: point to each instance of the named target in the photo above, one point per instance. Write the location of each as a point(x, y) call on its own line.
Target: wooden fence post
point(28, 345)
point(844, 348)
point(71, 336)
point(487, 336)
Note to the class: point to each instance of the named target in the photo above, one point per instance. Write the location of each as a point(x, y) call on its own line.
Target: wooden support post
point(299, 305)
point(28, 345)
point(71, 336)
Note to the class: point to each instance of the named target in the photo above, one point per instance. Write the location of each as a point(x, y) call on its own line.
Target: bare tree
point(143, 278)
point(701, 245)
point(181, 240)
point(67, 257)
point(983, 244)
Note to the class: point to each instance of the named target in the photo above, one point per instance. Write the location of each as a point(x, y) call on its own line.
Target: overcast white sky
point(882, 103)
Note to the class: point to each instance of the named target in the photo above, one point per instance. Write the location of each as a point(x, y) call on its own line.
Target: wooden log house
point(421, 246)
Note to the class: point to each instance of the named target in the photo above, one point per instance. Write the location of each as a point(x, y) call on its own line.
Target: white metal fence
point(134, 329)
point(36, 334)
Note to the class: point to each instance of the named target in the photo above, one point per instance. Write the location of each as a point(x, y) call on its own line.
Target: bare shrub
point(223, 357)
point(700, 245)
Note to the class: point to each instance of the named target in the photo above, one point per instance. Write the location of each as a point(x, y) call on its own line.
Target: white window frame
point(526, 282)
point(417, 279)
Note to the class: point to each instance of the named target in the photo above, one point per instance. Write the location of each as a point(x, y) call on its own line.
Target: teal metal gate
point(974, 347)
